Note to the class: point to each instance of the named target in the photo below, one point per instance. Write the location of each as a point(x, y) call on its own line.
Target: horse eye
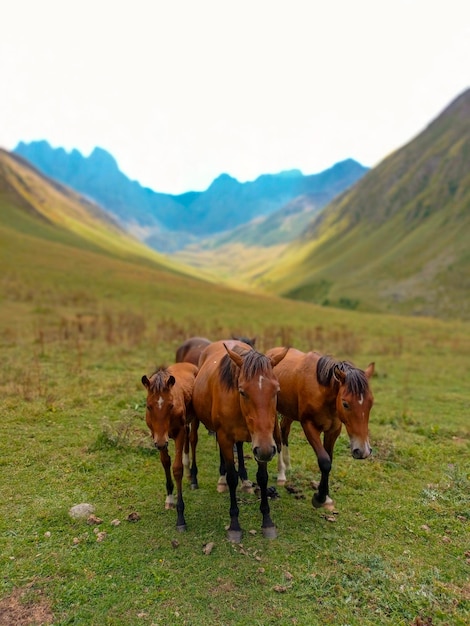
point(345, 404)
point(242, 393)
point(149, 407)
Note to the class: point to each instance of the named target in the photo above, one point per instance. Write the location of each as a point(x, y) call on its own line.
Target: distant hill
point(169, 222)
point(35, 207)
point(398, 240)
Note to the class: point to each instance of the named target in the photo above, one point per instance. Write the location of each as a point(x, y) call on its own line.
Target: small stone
point(76, 541)
point(92, 519)
point(81, 511)
point(47, 534)
point(100, 536)
point(175, 543)
point(115, 522)
point(208, 547)
point(133, 517)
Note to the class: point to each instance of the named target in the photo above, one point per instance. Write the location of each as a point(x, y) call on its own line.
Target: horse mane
point(158, 380)
point(254, 364)
point(356, 380)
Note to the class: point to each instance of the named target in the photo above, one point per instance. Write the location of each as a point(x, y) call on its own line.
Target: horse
point(169, 392)
point(190, 352)
point(234, 396)
point(322, 394)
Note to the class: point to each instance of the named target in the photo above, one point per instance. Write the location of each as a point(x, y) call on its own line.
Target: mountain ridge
point(169, 222)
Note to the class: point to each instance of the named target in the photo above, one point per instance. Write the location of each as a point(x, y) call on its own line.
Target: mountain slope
point(36, 206)
point(398, 240)
point(169, 222)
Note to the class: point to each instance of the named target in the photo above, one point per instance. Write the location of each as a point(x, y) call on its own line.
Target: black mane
point(254, 364)
point(356, 380)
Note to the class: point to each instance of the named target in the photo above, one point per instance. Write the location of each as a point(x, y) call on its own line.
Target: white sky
point(180, 91)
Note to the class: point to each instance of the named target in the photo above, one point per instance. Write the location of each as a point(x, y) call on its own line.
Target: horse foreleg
point(267, 526)
point(193, 438)
point(166, 462)
point(283, 460)
point(321, 497)
point(178, 476)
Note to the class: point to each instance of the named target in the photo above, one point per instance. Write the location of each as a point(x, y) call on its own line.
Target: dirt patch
point(25, 607)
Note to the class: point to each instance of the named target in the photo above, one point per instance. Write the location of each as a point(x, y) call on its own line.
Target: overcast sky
point(180, 91)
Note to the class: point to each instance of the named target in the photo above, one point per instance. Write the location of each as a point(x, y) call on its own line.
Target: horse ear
point(278, 357)
point(145, 381)
point(369, 372)
point(236, 358)
point(339, 375)
point(171, 381)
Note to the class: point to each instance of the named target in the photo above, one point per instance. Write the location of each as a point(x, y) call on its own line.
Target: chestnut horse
point(323, 394)
point(189, 352)
point(169, 392)
point(235, 396)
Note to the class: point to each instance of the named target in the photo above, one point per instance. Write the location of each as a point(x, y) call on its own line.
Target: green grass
point(72, 430)
point(78, 329)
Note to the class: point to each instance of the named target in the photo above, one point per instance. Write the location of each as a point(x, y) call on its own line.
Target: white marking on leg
point(170, 502)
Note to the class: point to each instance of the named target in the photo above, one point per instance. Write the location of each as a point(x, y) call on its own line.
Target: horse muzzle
point(264, 454)
point(161, 445)
point(360, 450)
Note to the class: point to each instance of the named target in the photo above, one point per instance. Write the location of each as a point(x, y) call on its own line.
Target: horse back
point(185, 376)
point(191, 349)
point(300, 393)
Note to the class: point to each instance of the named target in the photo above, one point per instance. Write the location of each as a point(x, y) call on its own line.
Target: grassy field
point(396, 550)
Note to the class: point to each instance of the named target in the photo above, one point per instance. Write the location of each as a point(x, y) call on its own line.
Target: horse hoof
point(222, 488)
point(169, 506)
point(328, 504)
point(269, 532)
point(281, 482)
point(235, 536)
point(181, 528)
point(247, 487)
point(194, 486)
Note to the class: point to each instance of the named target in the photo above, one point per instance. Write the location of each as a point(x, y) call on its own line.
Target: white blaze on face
point(160, 402)
point(361, 399)
point(260, 382)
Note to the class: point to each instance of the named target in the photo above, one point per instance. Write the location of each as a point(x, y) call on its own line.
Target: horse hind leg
point(193, 439)
point(283, 461)
point(178, 476)
point(246, 484)
point(166, 463)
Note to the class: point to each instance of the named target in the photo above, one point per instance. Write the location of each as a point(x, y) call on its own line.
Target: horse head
point(258, 388)
point(353, 405)
point(160, 410)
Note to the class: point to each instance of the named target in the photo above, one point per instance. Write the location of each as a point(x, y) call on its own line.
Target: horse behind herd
point(236, 392)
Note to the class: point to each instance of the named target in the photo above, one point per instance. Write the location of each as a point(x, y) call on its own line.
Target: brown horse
point(189, 352)
point(323, 394)
point(169, 392)
point(235, 396)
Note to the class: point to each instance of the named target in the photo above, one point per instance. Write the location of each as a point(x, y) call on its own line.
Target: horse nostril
point(356, 453)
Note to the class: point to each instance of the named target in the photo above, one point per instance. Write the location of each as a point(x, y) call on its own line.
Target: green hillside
point(398, 240)
point(34, 206)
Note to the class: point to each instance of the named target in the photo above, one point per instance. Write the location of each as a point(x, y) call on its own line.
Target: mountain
point(169, 222)
point(33, 206)
point(398, 240)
